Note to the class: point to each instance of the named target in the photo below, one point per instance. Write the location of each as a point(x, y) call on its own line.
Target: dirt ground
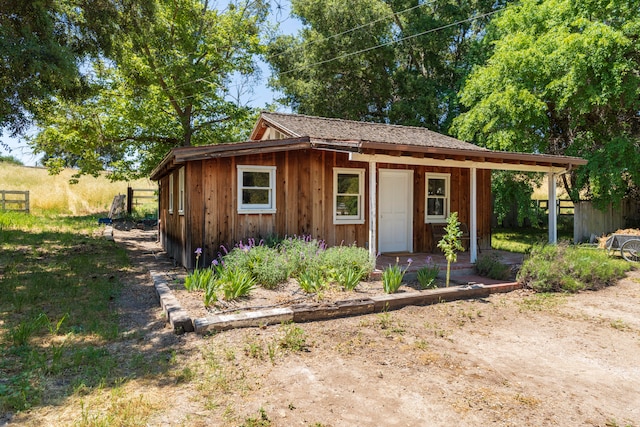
point(514, 359)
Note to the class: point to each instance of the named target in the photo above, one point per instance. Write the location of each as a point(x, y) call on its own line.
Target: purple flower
point(224, 249)
point(214, 262)
point(409, 261)
point(198, 251)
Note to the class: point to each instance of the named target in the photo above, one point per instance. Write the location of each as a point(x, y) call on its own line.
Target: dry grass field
point(55, 194)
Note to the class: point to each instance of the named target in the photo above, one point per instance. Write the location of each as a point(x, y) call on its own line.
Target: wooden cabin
point(382, 187)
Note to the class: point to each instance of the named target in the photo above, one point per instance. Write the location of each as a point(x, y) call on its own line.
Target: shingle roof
point(296, 125)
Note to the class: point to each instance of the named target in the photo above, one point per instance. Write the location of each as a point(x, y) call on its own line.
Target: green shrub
point(348, 277)
point(427, 275)
point(211, 293)
point(267, 266)
point(392, 277)
point(236, 283)
point(565, 268)
point(301, 253)
point(492, 267)
point(301, 257)
point(337, 258)
point(312, 281)
point(199, 279)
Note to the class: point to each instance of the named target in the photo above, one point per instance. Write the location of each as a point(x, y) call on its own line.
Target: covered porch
point(552, 166)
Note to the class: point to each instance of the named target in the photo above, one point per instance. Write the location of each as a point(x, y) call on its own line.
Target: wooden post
point(553, 218)
point(373, 237)
point(129, 200)
point(473, 218)
point(26, 201)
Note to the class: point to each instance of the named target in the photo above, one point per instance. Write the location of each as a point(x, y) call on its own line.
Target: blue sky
point(261, 96)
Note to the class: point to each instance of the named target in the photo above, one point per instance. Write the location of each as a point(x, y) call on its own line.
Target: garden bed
point(285, 295)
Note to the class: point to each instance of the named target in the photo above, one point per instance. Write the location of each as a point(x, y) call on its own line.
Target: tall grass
point(54, 194)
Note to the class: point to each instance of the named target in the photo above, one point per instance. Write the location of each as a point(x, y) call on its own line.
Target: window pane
point(255, 179)
point(435, 206)
point(347, 205)
point(437, 186)
point(255, 197)
point(348, 183)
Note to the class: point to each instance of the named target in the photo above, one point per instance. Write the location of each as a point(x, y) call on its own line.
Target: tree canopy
point(562, 78)
point(394, 61)
point(166, 82)
point(42, 44)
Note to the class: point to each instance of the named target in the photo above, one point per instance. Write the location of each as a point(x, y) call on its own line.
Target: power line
point(306, 45)
point(346, 55)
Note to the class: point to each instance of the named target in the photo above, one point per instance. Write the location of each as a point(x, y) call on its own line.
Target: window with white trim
point(181, 191)
point(171, 193)
point(438, 197)
point(348, 190)
point(256, 189)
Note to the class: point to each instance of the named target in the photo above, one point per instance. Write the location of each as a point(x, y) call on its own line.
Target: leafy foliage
point(512, 193)
point(367, 73)
point(312, 281)
point(235, 283)
point(451, 243)
point(427, 275)
point(301, 257)
point(392, 277)
point(564, 268)
point(492, 267)
point(42, 44)
point(165, 84)
point(562, 79)
point(11, 159)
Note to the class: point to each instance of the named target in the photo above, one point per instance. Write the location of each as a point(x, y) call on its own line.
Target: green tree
point(563, 79)
point(42, 44)
point(350, 61)
point(512, 193)
point(166, 83)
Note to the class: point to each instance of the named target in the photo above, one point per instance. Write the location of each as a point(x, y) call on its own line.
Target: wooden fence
point(11, 200)
point(590, 221)
point(134, 195)
point(563, 207)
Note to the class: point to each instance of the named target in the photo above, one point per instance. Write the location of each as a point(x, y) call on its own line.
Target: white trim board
point(466, 164)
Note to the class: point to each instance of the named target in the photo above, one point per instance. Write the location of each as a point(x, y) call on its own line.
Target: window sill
point(348, 221)
point(256, 211)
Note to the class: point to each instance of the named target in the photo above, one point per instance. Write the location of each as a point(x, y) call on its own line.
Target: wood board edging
point(313, 312)
point(177, 317)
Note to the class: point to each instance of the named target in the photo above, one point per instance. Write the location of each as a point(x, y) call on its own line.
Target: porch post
point(373, 237)
point(553, 218)
point(473, 219)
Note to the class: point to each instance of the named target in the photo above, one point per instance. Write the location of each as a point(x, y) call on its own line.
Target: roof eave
point(481, 154)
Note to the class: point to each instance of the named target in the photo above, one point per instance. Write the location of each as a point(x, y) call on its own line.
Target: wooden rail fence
point(134, 196)
point(12, 200)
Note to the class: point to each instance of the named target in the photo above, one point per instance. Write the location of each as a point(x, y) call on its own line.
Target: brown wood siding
point(171, 230)
point(460, 202)
point(304, 203)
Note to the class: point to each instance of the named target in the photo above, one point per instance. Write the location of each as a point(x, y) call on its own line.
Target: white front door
point(395, 207)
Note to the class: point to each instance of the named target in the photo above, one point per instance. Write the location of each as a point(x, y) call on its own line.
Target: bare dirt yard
point(515, 359)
